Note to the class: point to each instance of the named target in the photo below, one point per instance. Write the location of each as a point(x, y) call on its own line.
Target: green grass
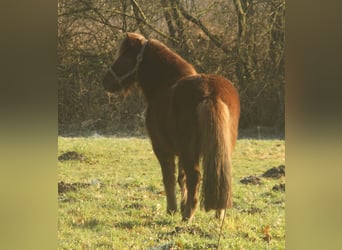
point(124, 205)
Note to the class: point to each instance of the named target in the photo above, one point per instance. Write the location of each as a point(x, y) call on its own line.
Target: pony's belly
point(161, 130)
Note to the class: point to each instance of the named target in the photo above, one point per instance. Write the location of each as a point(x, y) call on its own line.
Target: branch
point(135, 5)
point(143, 19)
point(139, 14)
point(69, 13)
point(168, 18)
point(97, 12)
point(105, 20)
point(198, 22)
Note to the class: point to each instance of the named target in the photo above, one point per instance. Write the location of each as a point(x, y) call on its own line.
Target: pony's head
point(122, 73)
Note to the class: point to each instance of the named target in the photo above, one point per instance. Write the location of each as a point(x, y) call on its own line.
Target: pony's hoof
point(171, 211)
point(219, 214)
point(187, 218)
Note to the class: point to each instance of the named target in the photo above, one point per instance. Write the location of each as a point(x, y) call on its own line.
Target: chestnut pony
point(189, 115)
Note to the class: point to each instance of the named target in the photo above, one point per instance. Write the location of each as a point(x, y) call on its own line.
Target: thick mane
point(171, 58)
point(129, 42)
point(161, 68)
point(123, 45)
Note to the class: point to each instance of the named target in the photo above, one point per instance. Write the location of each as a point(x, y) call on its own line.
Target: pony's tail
point(216, 149)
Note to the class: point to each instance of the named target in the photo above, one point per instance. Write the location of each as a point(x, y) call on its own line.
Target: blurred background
point(242, 40)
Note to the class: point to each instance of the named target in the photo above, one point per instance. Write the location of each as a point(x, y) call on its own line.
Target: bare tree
point(242, 40)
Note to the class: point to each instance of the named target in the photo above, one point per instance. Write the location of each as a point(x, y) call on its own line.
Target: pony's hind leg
point(193, 177)
point(220, 214)
point(167, 162)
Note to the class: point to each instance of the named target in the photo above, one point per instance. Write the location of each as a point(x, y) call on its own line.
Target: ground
point(111, 197)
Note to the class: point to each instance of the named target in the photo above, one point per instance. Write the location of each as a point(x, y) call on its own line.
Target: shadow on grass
point(143, 223)
point(188, 229)
point(87, 224)
point(169, 246)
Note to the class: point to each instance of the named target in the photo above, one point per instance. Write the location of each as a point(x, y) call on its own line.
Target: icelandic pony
point(189, 115)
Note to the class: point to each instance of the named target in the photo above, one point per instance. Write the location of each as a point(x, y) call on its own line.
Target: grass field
point(111, 197)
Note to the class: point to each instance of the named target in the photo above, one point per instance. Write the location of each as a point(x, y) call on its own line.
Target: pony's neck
point(161, 68)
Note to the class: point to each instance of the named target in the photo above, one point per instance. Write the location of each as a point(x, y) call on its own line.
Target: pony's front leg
point(183, 188)
point(167, 162)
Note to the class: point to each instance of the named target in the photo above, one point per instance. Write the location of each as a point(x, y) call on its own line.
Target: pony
point(190, 116)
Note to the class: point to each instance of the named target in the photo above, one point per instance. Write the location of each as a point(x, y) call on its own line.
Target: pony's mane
point(124, 44)
point(166, 50)
point(172, 57)
point(159, 48)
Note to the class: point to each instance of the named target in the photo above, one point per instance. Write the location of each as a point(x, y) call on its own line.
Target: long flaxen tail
point(216, 149)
